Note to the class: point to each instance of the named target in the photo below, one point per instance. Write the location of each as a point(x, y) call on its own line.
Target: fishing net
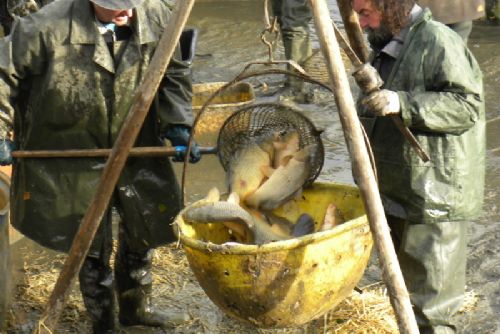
point(259, 122)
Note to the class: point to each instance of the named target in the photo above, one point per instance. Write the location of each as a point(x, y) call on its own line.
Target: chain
point(271, 28)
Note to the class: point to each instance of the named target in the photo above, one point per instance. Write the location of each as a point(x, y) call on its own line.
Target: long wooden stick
point(361, 169)
point(155, 151)
point(5, 269)
point(114, 165)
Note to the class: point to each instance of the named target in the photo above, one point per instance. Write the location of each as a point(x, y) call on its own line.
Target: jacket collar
point(84, 29)
point(416, 20)
point(394, 47)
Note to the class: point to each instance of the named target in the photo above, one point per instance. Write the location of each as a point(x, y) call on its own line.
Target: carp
point(248, 168)
point(270, 227)
point(286, 144)
point(304, 225)
point(226, 212)
point(251, 226)
point(264, 231)
point(284, 183)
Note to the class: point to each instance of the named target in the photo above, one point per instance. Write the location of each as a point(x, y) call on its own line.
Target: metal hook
point(271, 29)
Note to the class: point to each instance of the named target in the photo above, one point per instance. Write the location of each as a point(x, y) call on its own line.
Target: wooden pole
point(353, 29)
point(114, 165)
point(5, 279)
point(155, 151)
point(362, 171)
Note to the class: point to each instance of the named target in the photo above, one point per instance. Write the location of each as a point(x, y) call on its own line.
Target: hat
point(117, 4)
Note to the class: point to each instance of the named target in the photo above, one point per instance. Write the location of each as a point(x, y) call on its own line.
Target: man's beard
point(379, 37)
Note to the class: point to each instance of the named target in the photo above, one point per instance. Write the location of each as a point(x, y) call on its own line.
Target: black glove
point(179, 137)
point(6, 148)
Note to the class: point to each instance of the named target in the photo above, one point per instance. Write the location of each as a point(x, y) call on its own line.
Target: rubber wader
point(96, 286)
point(298, 48)
point(294, 17)
point(433, 260)
point(134, 284)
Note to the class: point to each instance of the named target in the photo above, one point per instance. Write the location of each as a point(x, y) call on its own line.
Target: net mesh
point(259, 122)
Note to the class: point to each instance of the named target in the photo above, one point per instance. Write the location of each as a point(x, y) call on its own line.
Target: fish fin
point(333, 217)
point(251, 200)
point(279, 223)
point(264, 232)
point(213, 195)
point(279, 145)
point(303, 154)
point(304, 225)
point(280, 231)
point(267, 171)
point(286, 159)
point(234, 198)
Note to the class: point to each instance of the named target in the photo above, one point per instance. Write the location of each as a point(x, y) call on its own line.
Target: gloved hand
point(383, 103)
point(367, 78)
point(6, 148)
point(179, 137)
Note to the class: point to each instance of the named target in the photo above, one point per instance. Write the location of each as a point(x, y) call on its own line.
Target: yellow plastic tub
point(235, 96)
point(286, 283)
point(222, 106)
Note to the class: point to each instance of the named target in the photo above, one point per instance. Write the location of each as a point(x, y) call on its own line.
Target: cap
point(117, 4)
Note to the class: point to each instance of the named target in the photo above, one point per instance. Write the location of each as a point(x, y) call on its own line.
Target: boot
point(298, 48)
point(134, 285)
point(96, 285)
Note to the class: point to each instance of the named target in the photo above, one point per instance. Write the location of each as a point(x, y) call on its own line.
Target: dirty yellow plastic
point(286, 283)
point(237, 95)
point(222, 106)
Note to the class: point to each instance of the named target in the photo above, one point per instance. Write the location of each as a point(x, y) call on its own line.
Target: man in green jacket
point(433, 83)
point(68, 74)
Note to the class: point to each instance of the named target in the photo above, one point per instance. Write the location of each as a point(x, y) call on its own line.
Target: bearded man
point(434, 84)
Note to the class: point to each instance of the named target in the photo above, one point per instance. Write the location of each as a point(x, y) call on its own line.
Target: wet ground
point(228, 39)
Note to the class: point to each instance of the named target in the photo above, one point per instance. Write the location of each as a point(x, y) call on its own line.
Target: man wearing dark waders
point(456, 14)
point(68, 74)
point(294, 17)
point(433, 83)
